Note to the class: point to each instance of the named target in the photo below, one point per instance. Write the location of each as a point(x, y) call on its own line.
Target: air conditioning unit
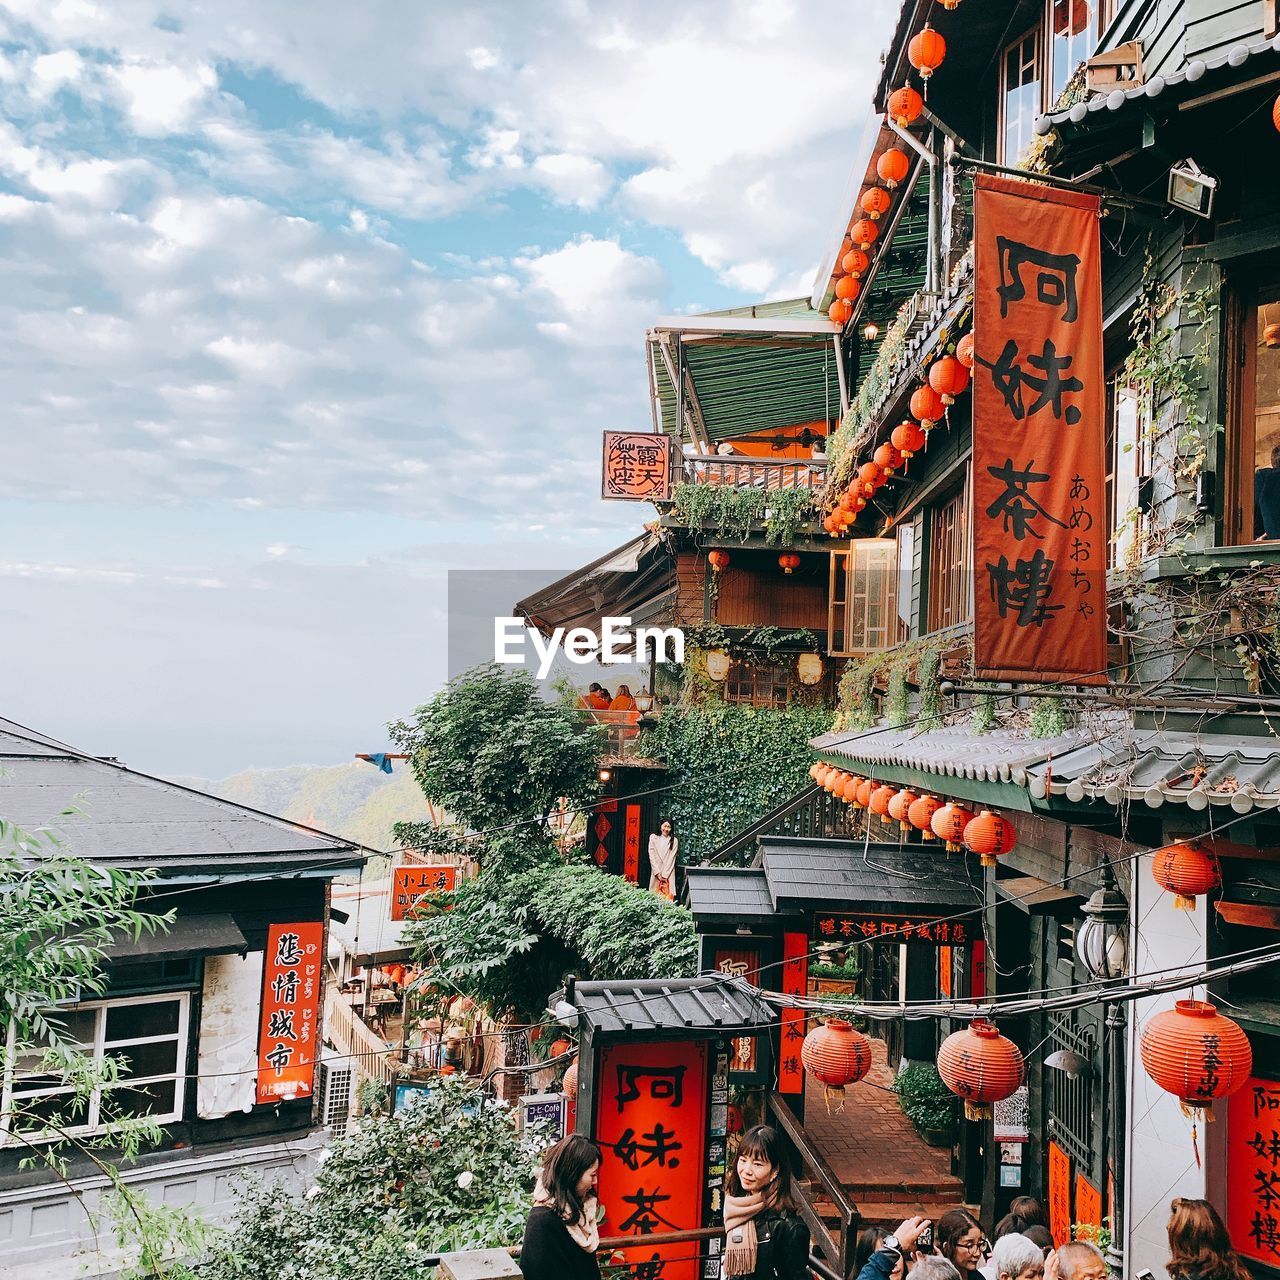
point(337, 1093)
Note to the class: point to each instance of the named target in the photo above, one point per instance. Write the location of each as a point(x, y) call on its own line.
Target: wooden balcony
point(755, 473)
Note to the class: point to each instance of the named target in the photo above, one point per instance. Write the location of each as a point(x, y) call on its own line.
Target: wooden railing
point(755, 473)
point(347, 1032)
point(813, 814)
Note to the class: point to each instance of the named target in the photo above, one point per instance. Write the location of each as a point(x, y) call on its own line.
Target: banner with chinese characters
point(287, 1049)
point(637, 468)
point(651, 1127)
point(744, 963)
point(1059, 1194)
point(408, 884)
point(795, 982)
point(631, 845)
point(1253, 1170)
point(848, 926)
point(1039, 519)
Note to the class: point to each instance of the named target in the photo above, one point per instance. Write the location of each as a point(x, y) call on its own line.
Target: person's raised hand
point(1052, 1268)
point(909, 1232)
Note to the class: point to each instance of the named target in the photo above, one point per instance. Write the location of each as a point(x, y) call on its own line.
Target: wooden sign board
point(637, 467)
point(409, 884)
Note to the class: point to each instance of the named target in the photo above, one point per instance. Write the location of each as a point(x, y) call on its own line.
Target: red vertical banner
point(1253, 1170)
point(978, 970)
point(291, 978)
point(651, 1128)
point(631, 845)
point(795, 981)
point(1039, 520)
point(944, 972)
point(1059, 1194)
point(1088, 1202)
point(602, 823)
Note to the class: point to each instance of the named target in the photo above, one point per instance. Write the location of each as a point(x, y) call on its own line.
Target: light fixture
point(718, 664)
point(644, 702)
point(1068, 1060)
point(1102, 942)
point(1192, 189)
point(743, 931)
point(605, 775)
point(871, 331)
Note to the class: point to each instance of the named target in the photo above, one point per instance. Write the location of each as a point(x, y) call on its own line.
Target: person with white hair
point(1076, 1260)
point(932, 1266)
point(1014, 1257)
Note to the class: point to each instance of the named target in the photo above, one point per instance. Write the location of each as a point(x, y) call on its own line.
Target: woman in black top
point(764, 1236)
point(959, 1239)
point(561, 1235)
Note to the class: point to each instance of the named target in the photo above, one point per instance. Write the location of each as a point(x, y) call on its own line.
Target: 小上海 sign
point(409, 884)
point(637, 467)
point(291, 978)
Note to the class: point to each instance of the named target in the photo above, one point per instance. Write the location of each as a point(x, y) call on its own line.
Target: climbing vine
point(1048, 718)
point(984, 712)
point(917, 663)
point(735, 513)
point(789, 511)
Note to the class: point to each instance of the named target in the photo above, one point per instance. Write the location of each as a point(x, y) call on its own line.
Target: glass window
point(1021, 90)
point(147, 1037)
point(949, 563)
point(1266, 421)
point(757, 684)
point(864, 611)
point(1073, 37)
point(1125, 459)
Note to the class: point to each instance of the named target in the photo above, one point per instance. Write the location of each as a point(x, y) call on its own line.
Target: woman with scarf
point(764, 1236)
point(562, 1234)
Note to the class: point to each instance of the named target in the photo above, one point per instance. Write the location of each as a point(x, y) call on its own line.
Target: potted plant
point(836, 977)
point(927, 1103)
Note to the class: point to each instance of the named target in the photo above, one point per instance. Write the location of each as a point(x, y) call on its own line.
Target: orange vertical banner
point(291, 976)
point(795, 981)
point(1253, 1170)
point(1039, 519)
point(1088, 1202)
point(1059, 1194)
point(631, 846)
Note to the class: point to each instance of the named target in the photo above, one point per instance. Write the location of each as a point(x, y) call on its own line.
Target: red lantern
point(875, 201)
point(991, 836)
point(865, 788)
point(964, 351)
point(921, 812)
point(880, 798)
point(569, 1085)
point(927, 406)
point(855, 262)
point(813, 770)
point(864, 233)
point(893, 167)
point(898, 806)
point(849, 792)
point(820, 776)
point(926, 52)
point(905, 106)
point(840, 312)
point(789, 561)
point(981, 1066)
point(949, 823)
point(908, 438)
point(1187, 871)
point(949, 378)
point(848, 288)
point(719, 560)
point(1195, 1053)
point(887, 458)
point(1275, 113)
point(870, 477)
point(835, 779)
point(835, 1054)
point(733, 1119)
point(558, 1047)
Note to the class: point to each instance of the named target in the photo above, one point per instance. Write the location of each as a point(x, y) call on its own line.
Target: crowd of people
point(766, 1238)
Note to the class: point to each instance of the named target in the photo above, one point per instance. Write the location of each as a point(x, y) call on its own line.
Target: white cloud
point(162, 98)
point(50, 71)
point(573, 179)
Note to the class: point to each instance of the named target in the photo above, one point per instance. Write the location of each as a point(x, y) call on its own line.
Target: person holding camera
point(885, 1257)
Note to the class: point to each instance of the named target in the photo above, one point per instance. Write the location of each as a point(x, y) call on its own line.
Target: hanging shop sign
point(548, 1111)
point(651, 1128)
point(637, 468)
point(287, 1048)
point(1088, 1202)
point(795, 982)
point(863, 926)
point(631, 845)
point(1253, 1170)
point(741, 963)
point(1059, 1194)
point(1039, 523)
point(409, 884)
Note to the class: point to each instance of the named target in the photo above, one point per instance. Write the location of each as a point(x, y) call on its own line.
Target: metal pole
point(844, 386)
point(933, 272)
point(1113, 1167)
point(1064, 184)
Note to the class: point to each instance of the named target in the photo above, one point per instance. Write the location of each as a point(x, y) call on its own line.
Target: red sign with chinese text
point(1039, 521)
point(1088, 1202)
point(859, 926)
point(631, 845)
point(637, 468)
point(291, 978)
point(1253, 1170)
point(651, 1128)
point(408, 884)
point(741, 964)
point(795, 982)
point(1059, 1194)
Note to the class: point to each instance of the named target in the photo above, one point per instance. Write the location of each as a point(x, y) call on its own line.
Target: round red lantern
point(865, 788)
point(887, 458)
point(870, 477)
point(719, 560)
point(733, 1119)
point(864, 233)
point(848, 288)
point(880, 798)
point(893, 167)
point(949, 378)
point(820, 774)
point(1275, 113)
point(840, 312)
point(1195, 1053)
point(849, 792)
point(835, 1054)
point(926, 52)
point(569, 1085)
point(964, 351)
point(855, 262)
point(927, 406)
point(991, 836)
point(789, 561)
point(905, 106)
point(981, 1066)
point(1187, 871)
point(835, 780)
point(949, 823)
point(828, 524)
point(921, 812)
point(875, 201)
point(899, 804)
point(559, 1047)
point(813, 770)
point(908, 438)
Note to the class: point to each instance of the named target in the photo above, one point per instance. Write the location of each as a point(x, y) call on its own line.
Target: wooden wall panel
point(750, 599)
point(691, 579)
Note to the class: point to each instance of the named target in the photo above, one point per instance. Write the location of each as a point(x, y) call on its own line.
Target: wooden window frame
point(1236, 526)
point(1036, 33)
point(958, 561)
point(840, 601)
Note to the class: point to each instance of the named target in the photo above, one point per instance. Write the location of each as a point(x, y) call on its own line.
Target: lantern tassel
point(1182, 903)
point(828, 1092)
point(976, 1111)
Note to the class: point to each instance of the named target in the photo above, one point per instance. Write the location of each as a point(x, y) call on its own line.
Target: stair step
point(890, 1213)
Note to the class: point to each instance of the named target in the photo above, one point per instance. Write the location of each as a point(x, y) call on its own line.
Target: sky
point(302, 306)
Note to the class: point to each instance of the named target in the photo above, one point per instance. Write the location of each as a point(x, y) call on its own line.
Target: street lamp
point(1102, 942)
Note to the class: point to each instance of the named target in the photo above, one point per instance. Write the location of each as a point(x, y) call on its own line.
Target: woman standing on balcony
point(562, 1234)
point(663, 848)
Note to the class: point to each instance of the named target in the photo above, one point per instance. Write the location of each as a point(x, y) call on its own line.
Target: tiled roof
point(709, 1003)
point(729, 891)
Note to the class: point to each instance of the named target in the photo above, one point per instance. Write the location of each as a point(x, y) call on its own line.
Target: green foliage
point(856, 705)
point(924, 1099)
point(735, 513)
point(984, 712)
point(930, 708)
point(1048, 718)
point(449, 1172)
point(896, 706)
point(495, 754)
point(846, 970)
point(856, 702)
point(788, 512)
point(729, 765)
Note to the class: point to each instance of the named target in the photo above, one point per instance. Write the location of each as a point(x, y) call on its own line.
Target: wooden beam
point(1253, 914)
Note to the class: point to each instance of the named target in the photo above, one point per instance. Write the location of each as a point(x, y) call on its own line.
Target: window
point(1125, 462)
point(1073, 37)
point(949, 563)
point(147, 1035)
point(1020, 96)
point(1254, 515)
point(863, 612)
point(757, 684)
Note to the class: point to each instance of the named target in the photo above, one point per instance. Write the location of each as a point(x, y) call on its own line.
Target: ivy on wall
point(917, 663)
point(734, 512)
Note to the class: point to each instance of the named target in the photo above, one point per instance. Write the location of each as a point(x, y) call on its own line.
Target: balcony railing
point(756, 473)
point(620, 730)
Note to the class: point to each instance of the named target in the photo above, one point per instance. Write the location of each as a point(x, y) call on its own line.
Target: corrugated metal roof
point(713, 1003)
point(733, 892)
point(1102, 106)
